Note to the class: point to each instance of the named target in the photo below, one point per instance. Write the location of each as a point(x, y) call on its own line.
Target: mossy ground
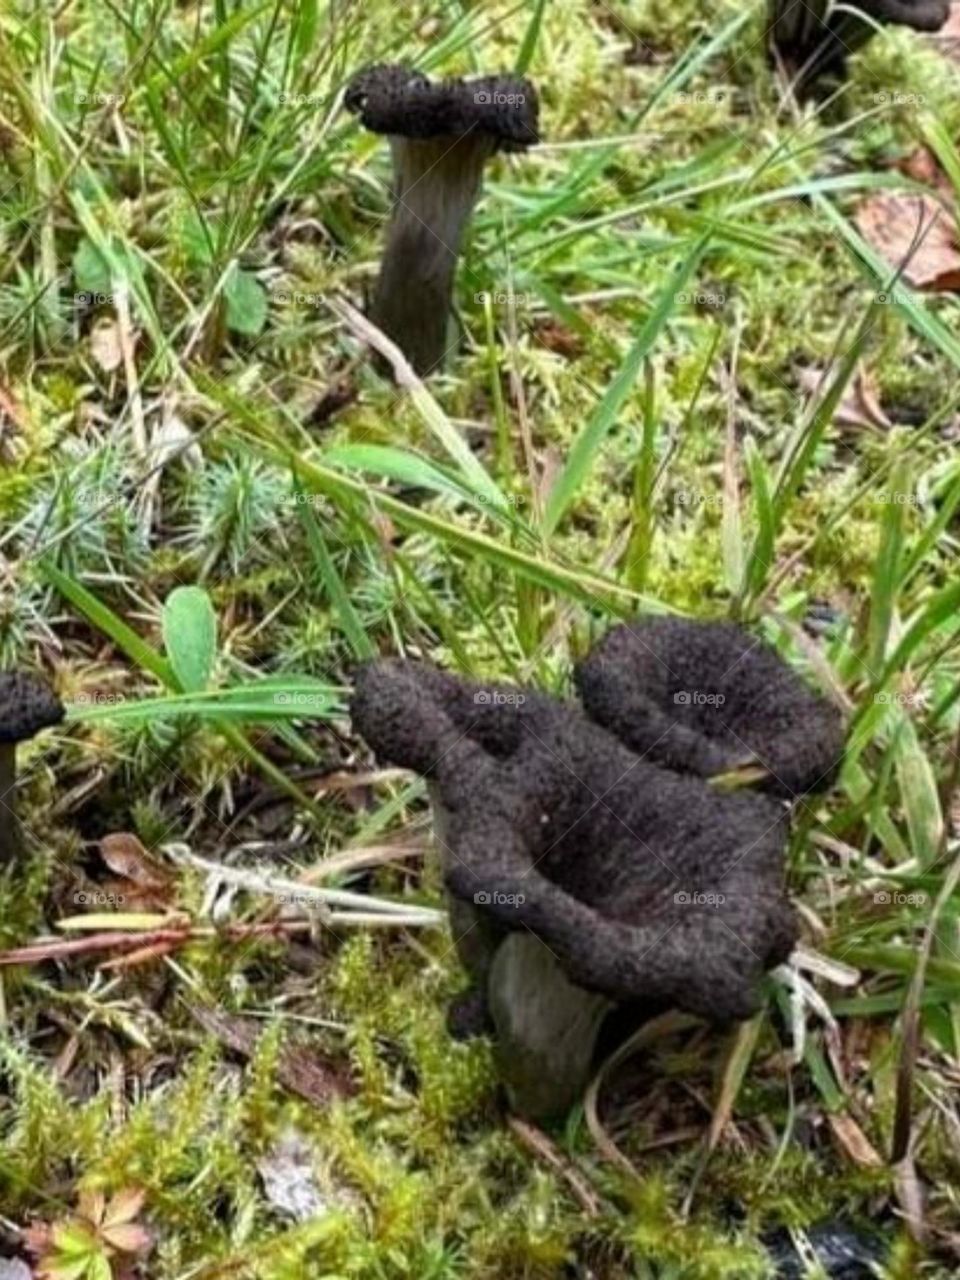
point(228, 200)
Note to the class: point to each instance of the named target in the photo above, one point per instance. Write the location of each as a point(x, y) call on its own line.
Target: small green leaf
point(246, 303)
point(190, 637)
point(919, 794)
point(91, 271)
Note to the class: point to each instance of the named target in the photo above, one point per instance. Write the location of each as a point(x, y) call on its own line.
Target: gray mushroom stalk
point(27, 705)
point(441, 136)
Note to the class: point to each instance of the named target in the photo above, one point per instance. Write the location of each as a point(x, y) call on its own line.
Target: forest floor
point(688, 378)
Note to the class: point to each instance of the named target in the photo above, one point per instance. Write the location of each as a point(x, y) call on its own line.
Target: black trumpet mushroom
point(580, 876)
point(815, 37)
point(27, 705)
point(709, 698)
point(441, 135)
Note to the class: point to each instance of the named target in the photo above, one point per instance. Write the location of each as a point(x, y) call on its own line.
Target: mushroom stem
point(9, 822)
point(437, 182)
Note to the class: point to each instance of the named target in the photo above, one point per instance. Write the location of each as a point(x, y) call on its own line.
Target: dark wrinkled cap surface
point(921, 15)
point(709, 697)
point(643, 882)
point(27, 705)
point(398, 101)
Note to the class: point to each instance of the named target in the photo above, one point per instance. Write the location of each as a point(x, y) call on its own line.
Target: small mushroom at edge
point(815, 39)
point(441, 135)
point(27, 705)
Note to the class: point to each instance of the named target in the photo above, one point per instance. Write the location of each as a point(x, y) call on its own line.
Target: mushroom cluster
point(27, 705)
point(585, 868)
point(441, 135)
point(815, 37)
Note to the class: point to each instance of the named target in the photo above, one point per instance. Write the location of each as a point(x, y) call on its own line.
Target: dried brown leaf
point(105, 346)
point(915, 234)
point(860, 406)
point(853, 1141)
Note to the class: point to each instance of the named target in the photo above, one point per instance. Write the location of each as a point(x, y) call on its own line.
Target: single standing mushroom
point(27, 705)
point(581, 877)
point(815, 38)
point(441, 135)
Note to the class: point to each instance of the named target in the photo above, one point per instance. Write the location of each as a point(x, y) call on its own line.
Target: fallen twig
point(536, 1140)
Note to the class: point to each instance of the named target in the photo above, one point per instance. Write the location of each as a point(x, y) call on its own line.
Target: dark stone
point(842, 1252)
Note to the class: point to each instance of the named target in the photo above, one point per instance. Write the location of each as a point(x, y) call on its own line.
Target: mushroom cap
point(921, 15)
point(398, 101)
point(27, 705)
point(708, 697)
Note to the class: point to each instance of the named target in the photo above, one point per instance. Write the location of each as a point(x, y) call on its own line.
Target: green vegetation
point(212, 504)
